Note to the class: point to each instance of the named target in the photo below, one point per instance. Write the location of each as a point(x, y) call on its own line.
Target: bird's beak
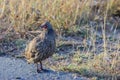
point(43, 27)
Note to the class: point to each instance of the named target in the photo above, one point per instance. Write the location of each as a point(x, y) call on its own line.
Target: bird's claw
point(41, 70)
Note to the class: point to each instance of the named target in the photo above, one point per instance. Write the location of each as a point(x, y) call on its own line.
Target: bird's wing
point(32, 48)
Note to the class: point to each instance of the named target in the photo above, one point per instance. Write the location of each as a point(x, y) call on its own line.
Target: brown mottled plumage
point(42, 46)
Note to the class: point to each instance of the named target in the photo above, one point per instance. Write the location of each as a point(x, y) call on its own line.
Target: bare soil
point(18, 69)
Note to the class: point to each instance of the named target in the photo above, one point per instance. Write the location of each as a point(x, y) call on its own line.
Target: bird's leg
point(39, 67)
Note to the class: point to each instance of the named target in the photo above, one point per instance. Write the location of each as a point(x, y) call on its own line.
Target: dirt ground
point(17, 69)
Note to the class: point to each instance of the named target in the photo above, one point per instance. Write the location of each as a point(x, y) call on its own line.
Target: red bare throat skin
point(45, 27)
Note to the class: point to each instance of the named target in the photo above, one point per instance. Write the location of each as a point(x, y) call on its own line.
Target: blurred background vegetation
point(29, 14)
point(92, 21)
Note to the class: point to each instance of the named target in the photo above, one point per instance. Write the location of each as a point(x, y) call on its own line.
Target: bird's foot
point(42, 70)
point(45, 70)
point(39, 70)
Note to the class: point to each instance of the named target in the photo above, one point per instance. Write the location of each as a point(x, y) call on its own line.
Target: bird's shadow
point(48, 71)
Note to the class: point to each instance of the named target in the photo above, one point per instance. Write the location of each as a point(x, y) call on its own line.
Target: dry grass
point(27, 15)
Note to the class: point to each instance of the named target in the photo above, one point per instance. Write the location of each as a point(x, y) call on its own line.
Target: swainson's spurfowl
point(41, 47)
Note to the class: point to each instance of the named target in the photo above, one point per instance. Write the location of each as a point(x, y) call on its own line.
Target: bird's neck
point(49, 32)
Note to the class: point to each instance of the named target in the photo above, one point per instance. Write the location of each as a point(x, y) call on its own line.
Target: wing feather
point(32, 48)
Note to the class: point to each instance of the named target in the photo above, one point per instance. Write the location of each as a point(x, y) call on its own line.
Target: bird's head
point(46, 26)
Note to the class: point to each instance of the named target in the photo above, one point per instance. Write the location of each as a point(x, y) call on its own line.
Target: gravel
point(18, 69)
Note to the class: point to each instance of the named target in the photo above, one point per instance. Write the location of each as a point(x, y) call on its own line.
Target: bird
point(42, 46)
